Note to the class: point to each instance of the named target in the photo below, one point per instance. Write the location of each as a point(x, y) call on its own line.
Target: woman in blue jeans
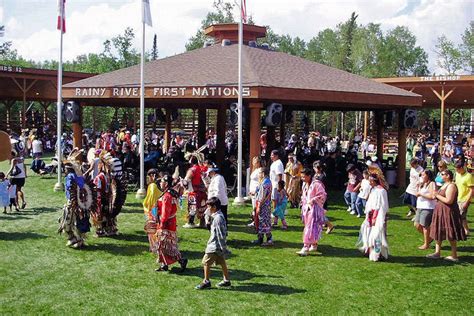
point(364, 190)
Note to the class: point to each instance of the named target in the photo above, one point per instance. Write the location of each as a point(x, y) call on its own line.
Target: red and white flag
point(243, 6)
point(62, 15)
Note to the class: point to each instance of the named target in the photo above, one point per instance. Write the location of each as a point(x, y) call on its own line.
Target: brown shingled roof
point(217, 66)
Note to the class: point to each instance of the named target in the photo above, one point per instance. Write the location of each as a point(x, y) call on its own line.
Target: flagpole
point(239, 199)
point(141, 193)
point(59, 185)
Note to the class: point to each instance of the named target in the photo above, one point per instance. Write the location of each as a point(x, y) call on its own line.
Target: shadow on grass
point(235, 274)
point(266, 288)
point(127, 237)
point(13, 216)
point(277, 244)
point(423, 262)
point(20, 236)
point(119, 250)
point(39, 210)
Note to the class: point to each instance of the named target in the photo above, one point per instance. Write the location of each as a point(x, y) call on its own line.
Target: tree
point(123, 44)
point(222, 14)
point(10, 57)
point(449, 56)
point(467, 48)
point(348, 29)
point(154, 51)
point(399, 55)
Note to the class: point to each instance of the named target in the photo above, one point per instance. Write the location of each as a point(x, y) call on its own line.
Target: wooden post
point(220, 144)
point(167, 130)
point(77, 129)
point(442, 98)
point(202, 126)
point(366, 124)
point(402, 151)
point(379, 122)
point(255, 130)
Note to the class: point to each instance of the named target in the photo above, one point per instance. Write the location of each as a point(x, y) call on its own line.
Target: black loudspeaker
point(274, 114)
point(233, 118)
point(410, 119)
point(71, 112)
point(389, 118)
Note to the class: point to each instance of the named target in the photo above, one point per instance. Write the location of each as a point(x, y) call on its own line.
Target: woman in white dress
point(373, 231)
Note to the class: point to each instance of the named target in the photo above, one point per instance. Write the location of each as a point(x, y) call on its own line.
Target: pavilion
point(206, 78)
point(29, 84)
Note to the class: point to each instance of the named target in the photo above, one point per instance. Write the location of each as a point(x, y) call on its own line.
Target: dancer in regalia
point(263, 209)
point(197, 195)
point(166, 246)
point(312, 211)
point(293, 180)
point(81, 199)
point(373, 231)
point(150, 209)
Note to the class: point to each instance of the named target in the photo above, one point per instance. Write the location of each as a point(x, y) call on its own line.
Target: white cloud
point(175, 21)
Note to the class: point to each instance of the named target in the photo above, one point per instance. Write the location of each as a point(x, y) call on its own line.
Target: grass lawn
point(40, 275)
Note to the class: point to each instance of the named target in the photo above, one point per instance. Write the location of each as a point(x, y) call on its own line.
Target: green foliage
point(222, 13)
point(154, 50)
point(467, 48)
point(40, 275)
point(449, 56)
point(10, 57)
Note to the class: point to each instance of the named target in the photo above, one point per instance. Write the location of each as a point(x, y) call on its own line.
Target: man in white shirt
point(276, 173)
point(37, 147)
point(218, 188)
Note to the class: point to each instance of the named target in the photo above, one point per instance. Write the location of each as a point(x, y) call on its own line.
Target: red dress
point(166, 237)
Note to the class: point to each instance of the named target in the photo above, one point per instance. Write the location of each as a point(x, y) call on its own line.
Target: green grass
point(40, 275)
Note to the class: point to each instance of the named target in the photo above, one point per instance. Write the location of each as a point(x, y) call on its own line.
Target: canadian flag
point(62, 15)
point(244, 11)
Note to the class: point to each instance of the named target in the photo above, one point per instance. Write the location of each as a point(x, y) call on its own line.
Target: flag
point(146, 14)
point(243, 7)
point(62, 15)
point(2, 30)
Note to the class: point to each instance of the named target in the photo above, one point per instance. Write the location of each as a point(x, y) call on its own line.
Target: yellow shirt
point(465, 183)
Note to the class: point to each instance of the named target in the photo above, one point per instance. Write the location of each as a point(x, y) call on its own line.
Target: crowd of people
point(298, 174)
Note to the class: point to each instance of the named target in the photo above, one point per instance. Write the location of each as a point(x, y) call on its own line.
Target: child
point(364, 190)
point(216, 246)
point(13, 197)
point(4, 195)
point(281, 200)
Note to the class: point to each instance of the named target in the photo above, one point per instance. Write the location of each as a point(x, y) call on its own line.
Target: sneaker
point(184, 263)
point(451, 258)
point(359, 216)
point(303, 252)
point(410, 213)
point(268, 243)
point(313, 249)
point(163, 267)
point(349, 209)
point(433, 256)
point(252, 224)
point(224, 283)
point(203, 285)
point(189, 225)
point(71, 242)
point(284, 227)
point(353, 213)
point(257, 242)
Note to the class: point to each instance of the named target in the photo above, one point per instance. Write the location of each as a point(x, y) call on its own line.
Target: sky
point(31, 24)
